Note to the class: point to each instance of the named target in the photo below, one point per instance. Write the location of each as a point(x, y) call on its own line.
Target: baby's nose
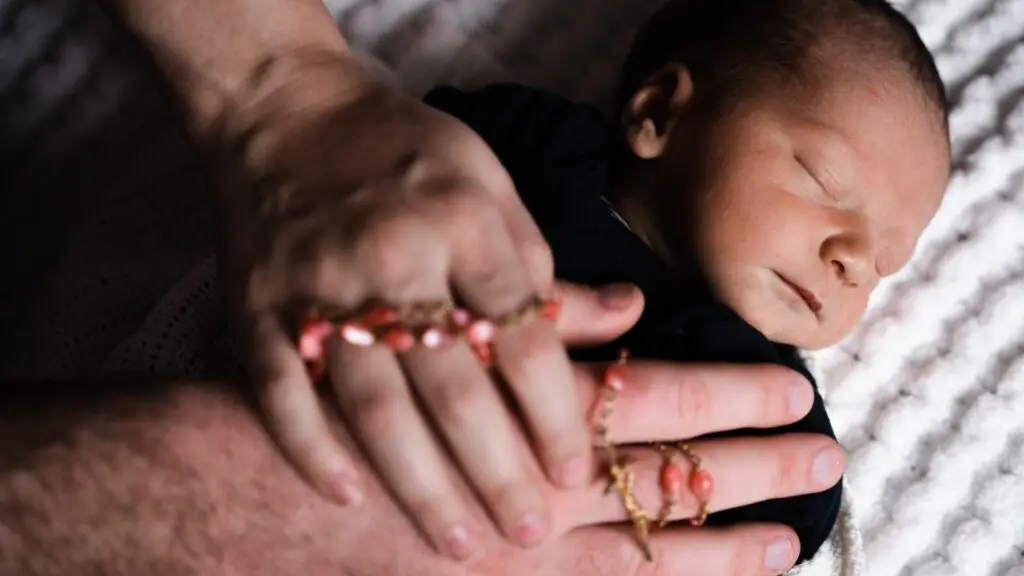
point(850, 257)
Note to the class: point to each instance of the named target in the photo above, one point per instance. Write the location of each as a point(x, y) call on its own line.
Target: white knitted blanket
point(927, 396)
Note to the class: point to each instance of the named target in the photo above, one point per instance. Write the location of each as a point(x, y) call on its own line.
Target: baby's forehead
point(851, 94)
point(881, 141)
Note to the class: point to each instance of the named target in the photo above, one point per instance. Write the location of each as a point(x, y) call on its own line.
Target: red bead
point(460, 318)
point(434, 338)
point(357, 334)
point(550, 309)
point(702, 484)
point(671, 480)
point(483, 354)
point(399, 339)
point(381, 315)
point(614, 377)
point(311, 338)
point(481, 331)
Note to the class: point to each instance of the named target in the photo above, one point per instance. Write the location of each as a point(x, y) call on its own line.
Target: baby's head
point(793, 150)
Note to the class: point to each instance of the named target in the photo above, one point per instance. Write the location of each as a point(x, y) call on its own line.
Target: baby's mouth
point(806, 295)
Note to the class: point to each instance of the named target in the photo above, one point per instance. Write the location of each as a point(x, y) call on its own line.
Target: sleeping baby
point(769, 163)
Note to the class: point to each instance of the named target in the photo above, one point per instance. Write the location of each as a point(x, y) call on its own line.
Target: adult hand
point(343, 197)
point(661, 401)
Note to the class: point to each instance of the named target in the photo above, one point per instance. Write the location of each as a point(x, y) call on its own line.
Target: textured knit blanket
point(927, 396)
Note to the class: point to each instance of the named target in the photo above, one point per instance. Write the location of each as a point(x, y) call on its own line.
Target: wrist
point(218, 56)
point(282, 90)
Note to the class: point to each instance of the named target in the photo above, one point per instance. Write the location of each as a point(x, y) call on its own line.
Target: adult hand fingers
point(293, 411)
point(597, 315)
point(489, 275)
point(745, 471)
point(667, 401)
point(744, 550)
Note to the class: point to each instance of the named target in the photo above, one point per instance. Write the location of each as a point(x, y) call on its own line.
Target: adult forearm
point(220, 55)
point(176, 478)
point(160, 480)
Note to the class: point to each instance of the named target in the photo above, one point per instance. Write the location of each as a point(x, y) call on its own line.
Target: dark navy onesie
point(558, 155)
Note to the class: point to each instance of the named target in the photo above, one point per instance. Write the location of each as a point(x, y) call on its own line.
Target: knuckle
point(531, 346)
point(503, 497)
point(384, 247)
point(564, 438)
point(767, 405)
point(739, 563)
point(308, 452)
point(460, 399)
point(747, 558)
point(787, 478)
point(374, 412)
point(473, 221)
point(469, 210)
point(602, 560)
point(454, 203)
point(317, 275)
point(429, 505)
point(485, 269)
point(692, 402)
point(539, 261)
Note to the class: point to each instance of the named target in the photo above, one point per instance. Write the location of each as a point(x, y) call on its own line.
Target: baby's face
point(800, 202)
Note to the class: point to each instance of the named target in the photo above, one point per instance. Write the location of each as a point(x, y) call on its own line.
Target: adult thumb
point(597, 315)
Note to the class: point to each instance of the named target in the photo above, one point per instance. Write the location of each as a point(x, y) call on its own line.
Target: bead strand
point(671, 479)
point(432, 325)
point(622, 478)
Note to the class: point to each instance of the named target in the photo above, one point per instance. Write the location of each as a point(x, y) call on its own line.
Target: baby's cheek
point(857, 307)
point(745, 290)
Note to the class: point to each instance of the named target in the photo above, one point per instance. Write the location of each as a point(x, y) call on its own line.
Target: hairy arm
point(179, 479)
point(220, 55)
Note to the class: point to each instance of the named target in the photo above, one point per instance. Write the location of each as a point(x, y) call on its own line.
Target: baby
point(771, 161)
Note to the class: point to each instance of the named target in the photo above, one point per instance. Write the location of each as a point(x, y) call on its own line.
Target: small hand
point(378, 197)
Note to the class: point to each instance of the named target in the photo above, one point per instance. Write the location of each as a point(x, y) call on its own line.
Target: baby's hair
point(729, 46)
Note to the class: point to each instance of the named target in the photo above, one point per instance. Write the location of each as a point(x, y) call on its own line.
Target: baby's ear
point(655, 108)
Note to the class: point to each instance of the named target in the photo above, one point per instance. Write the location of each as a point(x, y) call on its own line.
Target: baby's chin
point(779, 322)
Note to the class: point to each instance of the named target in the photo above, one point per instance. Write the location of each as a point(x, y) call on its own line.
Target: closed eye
point(824, 189)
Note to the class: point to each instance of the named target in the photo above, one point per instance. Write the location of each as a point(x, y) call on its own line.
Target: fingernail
point(778, 555)
point(345, 491)
point(459, 542)
point(828, 466)
point(574, 472)
point(530, 530)
point(797, 398)
point(616, 296)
